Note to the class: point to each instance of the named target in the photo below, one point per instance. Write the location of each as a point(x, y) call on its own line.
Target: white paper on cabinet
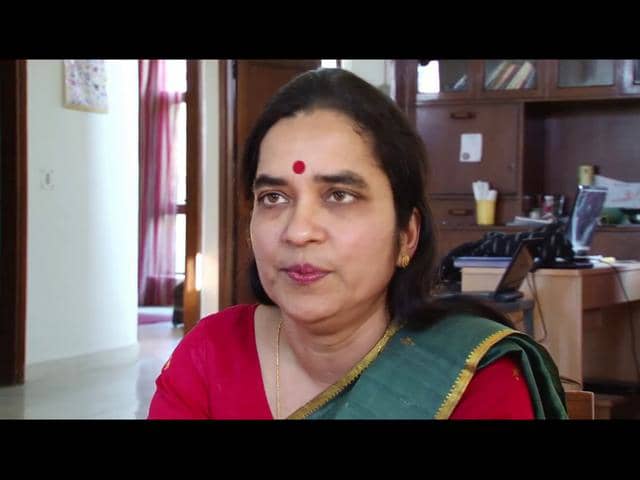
point(470, 147)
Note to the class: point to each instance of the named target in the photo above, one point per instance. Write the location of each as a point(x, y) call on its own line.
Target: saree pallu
point(422, 374)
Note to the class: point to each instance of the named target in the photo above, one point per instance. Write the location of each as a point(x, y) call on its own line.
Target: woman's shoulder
point(228, 317)
point(205, 356)
point(468, 324)
point(455, 338)
point(219, 327)
point(216, 335)
point(227, 323)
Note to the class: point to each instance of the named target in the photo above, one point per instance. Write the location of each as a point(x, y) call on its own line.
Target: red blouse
point(218, 360)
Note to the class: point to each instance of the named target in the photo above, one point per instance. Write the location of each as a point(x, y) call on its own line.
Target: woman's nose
point(304, 224)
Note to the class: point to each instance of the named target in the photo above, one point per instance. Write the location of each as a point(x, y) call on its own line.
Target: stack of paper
point(619, 194)
point(481, 191)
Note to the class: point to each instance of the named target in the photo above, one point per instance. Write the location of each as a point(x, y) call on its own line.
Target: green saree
point(422, 374)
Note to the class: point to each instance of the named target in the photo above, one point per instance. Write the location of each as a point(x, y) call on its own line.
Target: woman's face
point(324, 239)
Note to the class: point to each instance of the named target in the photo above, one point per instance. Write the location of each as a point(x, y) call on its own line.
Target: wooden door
point(13, 219)
point(253, 82)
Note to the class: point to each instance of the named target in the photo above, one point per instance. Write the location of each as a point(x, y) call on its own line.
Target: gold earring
point(404, 260)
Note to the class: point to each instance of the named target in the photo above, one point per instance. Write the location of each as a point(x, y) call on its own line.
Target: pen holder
point(485, 212)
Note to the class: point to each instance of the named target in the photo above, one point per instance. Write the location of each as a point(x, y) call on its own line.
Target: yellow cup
point(486, 212)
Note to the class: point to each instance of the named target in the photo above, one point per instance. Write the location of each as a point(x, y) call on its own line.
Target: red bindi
point(298, 166)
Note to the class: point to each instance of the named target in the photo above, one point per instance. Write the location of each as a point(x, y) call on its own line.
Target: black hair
point(401, 154)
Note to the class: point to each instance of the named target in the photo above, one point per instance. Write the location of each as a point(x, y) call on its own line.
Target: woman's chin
point(306, 309)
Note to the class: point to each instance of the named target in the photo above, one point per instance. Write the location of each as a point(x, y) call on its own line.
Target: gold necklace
point(278, 370)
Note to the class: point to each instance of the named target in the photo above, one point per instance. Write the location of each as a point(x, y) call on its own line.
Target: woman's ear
point(410, 234)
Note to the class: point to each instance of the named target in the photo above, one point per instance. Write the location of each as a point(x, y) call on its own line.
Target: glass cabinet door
point(631, 77)
point(509, 75)
point(443, 79)
point(511, 78)
point(584, 78)
point(585, 73)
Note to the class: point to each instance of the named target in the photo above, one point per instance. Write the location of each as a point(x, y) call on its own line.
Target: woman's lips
point(305, 274)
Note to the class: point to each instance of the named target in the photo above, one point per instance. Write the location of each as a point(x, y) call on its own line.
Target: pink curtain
point(158, 183)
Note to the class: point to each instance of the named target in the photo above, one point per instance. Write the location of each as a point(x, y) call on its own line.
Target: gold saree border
point(466, 374)
point(333, 390)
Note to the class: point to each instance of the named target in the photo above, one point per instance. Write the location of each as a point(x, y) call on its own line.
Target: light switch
point(46, 179)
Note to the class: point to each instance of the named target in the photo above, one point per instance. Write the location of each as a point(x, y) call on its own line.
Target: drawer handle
point(462, 115)
point(460, 212)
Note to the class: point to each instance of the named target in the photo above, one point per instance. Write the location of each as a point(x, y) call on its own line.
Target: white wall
point(82, 234)
point(209, 300)
point(372, 71)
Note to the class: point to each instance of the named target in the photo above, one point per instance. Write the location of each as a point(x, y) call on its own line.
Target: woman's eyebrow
point(344, 177)
point(264, 180)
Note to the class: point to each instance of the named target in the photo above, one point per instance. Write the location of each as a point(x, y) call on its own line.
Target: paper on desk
point(470, 147)
point(619, 194)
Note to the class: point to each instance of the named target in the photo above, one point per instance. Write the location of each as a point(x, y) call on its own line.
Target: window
point(429, 77)
point(330, 63)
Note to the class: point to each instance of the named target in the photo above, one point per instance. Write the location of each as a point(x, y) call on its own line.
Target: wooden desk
point(589, 334)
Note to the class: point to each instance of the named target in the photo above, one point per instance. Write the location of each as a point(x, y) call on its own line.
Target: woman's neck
point(327, 349)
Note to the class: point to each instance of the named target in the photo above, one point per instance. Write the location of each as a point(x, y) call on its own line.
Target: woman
point(343, 246)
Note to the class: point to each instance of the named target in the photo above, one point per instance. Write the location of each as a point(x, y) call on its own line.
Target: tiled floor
point(112, 389)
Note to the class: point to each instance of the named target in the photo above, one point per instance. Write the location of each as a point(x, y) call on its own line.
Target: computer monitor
point(521, 264)
point(585, 213)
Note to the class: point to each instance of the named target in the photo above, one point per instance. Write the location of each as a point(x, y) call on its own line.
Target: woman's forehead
point(321, 139)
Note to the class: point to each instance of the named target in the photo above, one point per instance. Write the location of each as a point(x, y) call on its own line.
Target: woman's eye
point(340, 196)
point(272, 198)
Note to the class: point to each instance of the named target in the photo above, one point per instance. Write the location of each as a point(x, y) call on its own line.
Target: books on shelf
point(511, 75)
point(492, 77)
point(461, 83)
point(530, 82)
point(521, 76)
point(488, 262)
point(503, 77)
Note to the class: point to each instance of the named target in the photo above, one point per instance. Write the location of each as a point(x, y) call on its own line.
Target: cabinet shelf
point(518, 80)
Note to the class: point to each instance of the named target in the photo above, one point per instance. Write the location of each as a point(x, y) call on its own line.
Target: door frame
point(13, 253)
point(226, 238)
point(195, 137)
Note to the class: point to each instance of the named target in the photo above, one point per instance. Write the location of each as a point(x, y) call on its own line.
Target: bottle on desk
point(585, 174)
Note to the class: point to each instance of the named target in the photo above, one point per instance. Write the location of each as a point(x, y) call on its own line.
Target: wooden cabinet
point(441, 128)
point(539, 120)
